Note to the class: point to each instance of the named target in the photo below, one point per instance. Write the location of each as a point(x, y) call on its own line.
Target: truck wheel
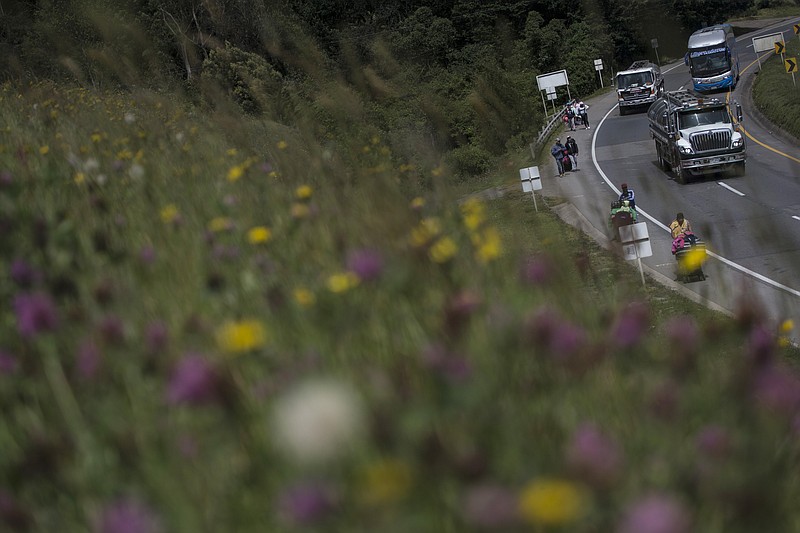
point(622, 111)
point(680, 175)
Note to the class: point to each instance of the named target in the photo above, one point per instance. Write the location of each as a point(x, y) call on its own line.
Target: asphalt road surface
point(751, 224)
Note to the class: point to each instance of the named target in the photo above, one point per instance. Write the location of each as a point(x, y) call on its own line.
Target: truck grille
point(711, 140)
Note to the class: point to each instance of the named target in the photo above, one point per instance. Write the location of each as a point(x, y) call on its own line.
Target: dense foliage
point(476, 60)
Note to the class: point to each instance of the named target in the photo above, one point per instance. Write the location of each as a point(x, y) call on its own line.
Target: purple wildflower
point(656, 513)
point(24, 274)
point(567, 340)
point(266, 167)
point(128, 516)
point(448, 365)
point(8, 363)
point(89, 359)
point(777, 389)
point(156, 337)
point(541, 325)
point(306, 503)
point(194, 381)
point(365, 263)
point(6, 178)
point(112, 329)
point(594, 456)
point(664, 400)
point(760, 346)
point(537, 271)
point(631, 325)
point(35, 313)
point(147, 255)
point(490, 506)
point(713, 441)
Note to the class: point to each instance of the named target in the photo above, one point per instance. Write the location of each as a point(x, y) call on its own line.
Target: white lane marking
point(795, 217)
point(730, 188)
point(644, 213)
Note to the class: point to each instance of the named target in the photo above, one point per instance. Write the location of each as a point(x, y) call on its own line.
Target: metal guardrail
point(555, 122)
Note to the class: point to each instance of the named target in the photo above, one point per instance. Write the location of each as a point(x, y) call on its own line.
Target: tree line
point(458, 73)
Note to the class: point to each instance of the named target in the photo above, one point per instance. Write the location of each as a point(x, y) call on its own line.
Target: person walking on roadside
point(572, 150)
point(570, 113)
point(557, 151)
point(680, 226)
point(583, 111)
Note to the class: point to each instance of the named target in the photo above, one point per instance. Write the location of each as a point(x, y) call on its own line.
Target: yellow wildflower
point(474, 213)
point(693, 260)
point(282, 145)
point(232, 151)
point(304, 297)
point(342, 282)
point(259, 235)
point(79, 178)
point(241, 336)
point(124, 155)
point(169, 213)
point(96, 137)
point(438, 171)
point(552, 502)
point(300, 210)
point(365, 149)
point(425, 231)
point(303, 192)
point(235, 172)
point(375, 139)
point(386, 482)
point(443, 250)
point(488, 245)
point(417, 203)
point(220, 224)
point(44, 149)
point(787, 325)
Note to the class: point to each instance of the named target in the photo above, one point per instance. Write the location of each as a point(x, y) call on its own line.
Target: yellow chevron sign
point(780, 46)
point(797, 29)
point(790, 64)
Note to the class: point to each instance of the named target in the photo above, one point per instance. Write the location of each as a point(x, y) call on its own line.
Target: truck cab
point(638, 86)
point(695, 136)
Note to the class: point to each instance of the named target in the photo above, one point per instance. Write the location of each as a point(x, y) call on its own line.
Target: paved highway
point(750, 223)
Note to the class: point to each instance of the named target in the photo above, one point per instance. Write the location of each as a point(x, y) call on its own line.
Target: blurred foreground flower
point(303, 192)
point(318, 421)
point(385, 482)
point(365, 263)
point(490, 506)
point(241, 336)
point(552, 502)
point(170, 214)
point(594, 456)
point(36, 313)
point(306, 503)
point(194, 381)
point(631, 325)
point(128, 516)
point(443, 250)
point(259, 235)
point(656, 513)
point(8, 363)
point(342, 282)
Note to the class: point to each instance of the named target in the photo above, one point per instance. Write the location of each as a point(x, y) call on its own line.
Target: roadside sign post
point(791, 66)
point(654, 44)
point(531, 182)
point(765, 44)
point(598, 66)
point(548, 82)
point(635, 243)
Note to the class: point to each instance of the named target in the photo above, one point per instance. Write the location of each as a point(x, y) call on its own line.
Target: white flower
point(318, 421)
point(136, 172)
point(130, 118)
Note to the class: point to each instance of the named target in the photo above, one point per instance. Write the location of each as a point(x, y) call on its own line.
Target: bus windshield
point(709, 62)
point(635, 79)
point(690, 119)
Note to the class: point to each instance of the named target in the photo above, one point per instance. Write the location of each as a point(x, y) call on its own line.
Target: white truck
point(638, 86)
point(695, 136)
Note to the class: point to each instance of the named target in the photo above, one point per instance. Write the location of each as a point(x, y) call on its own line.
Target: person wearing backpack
point(557, 151)
point(572, 150)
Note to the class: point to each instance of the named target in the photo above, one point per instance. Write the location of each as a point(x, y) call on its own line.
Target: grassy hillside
point(774, 92)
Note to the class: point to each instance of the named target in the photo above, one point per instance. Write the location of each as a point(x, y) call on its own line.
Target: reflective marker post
point(635, 243)
point(531, 182)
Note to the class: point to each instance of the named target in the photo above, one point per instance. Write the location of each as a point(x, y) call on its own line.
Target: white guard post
point(635, 243)
point(531, 181)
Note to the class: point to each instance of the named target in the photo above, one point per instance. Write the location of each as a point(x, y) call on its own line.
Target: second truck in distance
point(696, 136)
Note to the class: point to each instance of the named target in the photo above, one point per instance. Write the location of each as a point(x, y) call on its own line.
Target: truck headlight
point(737, 142)
point(686, 150)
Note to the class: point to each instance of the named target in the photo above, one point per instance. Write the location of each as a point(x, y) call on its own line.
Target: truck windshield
point(710, 62)
point(690, 119)
point(635, 79)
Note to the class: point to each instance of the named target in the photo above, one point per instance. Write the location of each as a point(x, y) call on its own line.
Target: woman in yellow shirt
point(680, 226)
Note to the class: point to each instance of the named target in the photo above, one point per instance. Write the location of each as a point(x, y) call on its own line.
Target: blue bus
point(712, 58)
